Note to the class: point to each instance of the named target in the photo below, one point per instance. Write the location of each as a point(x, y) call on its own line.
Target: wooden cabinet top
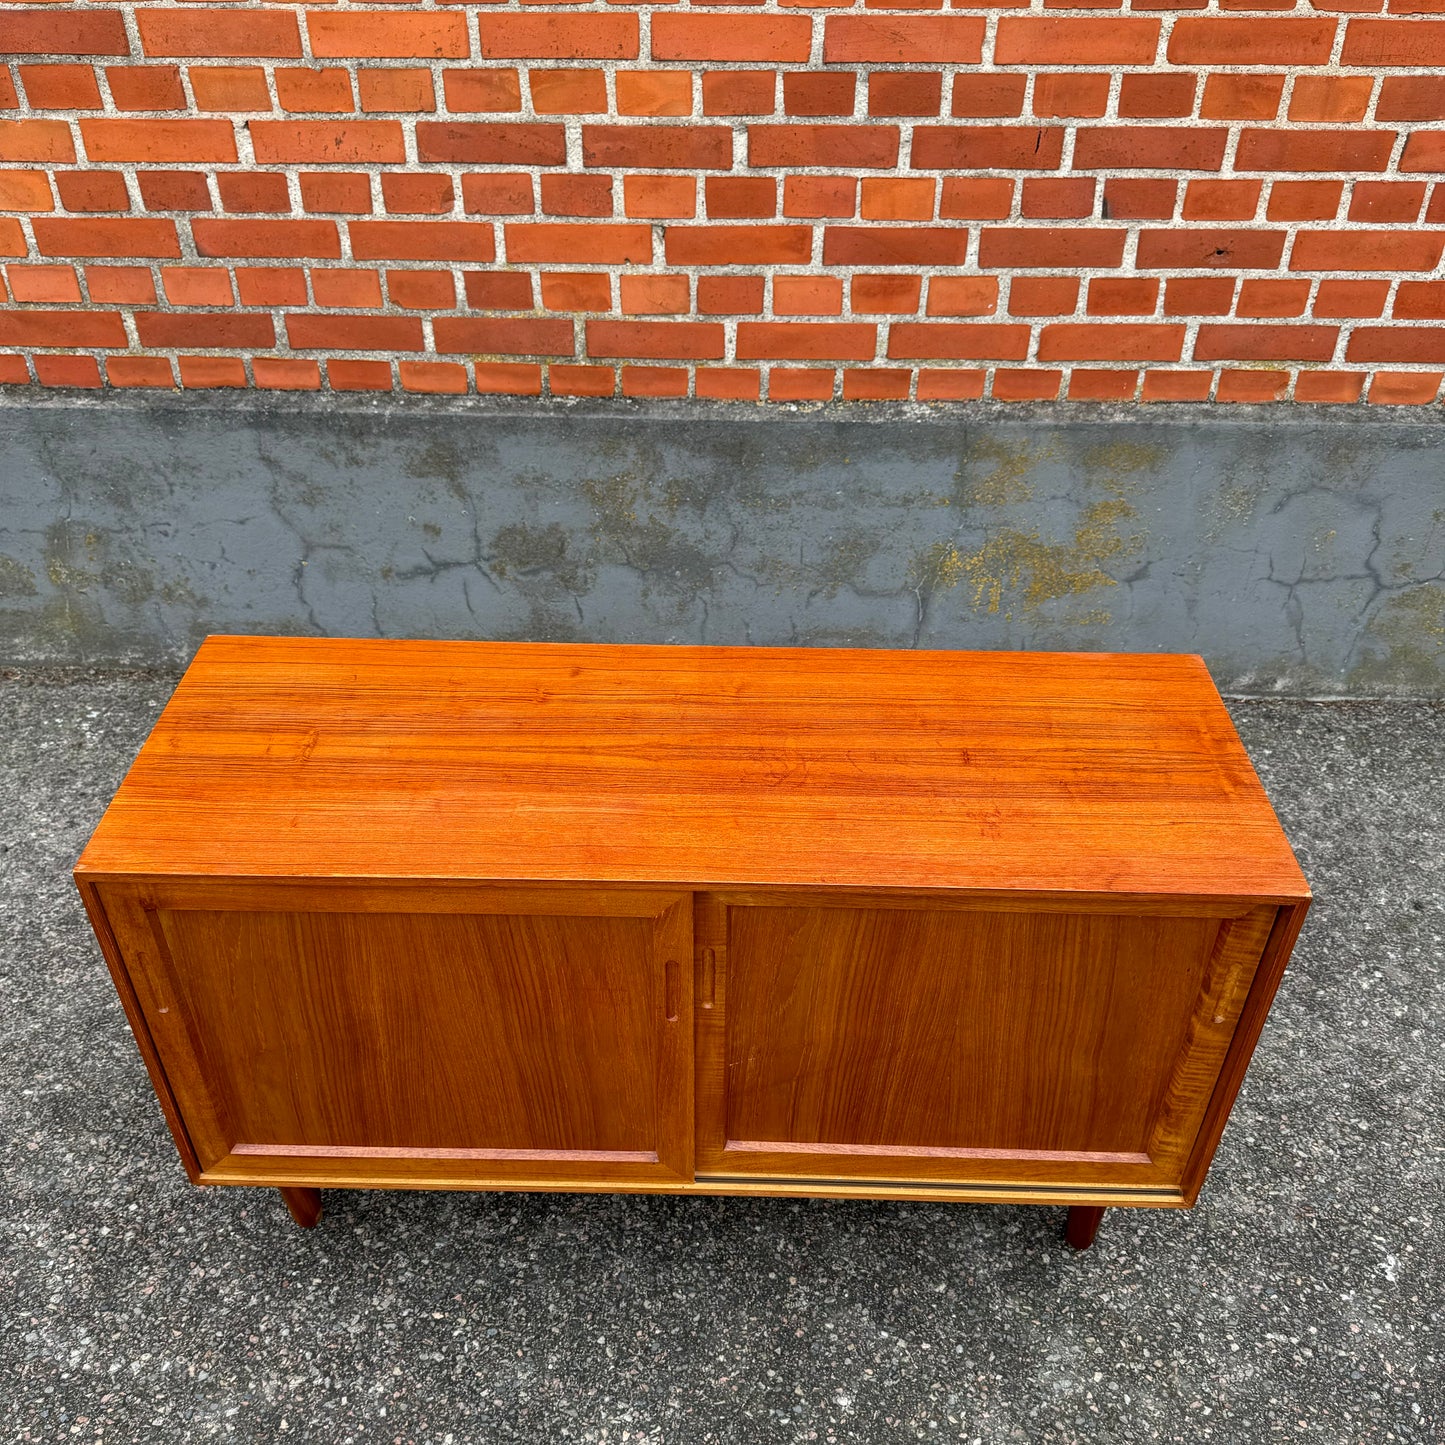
point(721, 766)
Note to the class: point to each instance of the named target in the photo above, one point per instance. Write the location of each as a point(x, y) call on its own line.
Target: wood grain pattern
point(697, 766)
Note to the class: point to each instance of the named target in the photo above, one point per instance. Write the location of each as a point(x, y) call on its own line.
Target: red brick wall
point(792, 201)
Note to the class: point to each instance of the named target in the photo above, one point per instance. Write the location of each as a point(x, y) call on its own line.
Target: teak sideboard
point(915, 925)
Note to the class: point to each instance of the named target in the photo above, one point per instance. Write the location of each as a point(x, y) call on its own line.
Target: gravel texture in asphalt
point(1304, 1299)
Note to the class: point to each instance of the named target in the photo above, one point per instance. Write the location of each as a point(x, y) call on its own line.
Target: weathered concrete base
point(1300, 551)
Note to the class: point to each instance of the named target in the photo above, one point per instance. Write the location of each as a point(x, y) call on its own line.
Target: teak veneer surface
point(711, 766)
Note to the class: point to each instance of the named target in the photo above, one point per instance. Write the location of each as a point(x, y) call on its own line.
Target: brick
point(562, 37)
point(959, 341)
point(397, 90)
point(729, 295)
point(658, 147)
point(1221, 200)
point(1354, 298)
point(807, 296)
point(988, 147)
point(576, 291)
point(654, 381)
point(25, 191)
point(1394, 42)
point(1133, 198)
point(1328, 386)
point(739, 197)
point(277, 373)
point(422, 290)
point(1331, 98)
point(815, 93)
point(1304, 200)
point(93, 191)
point(120, 285)
point(983, 198)
point(1064, 94)
point(1424, 151)
point(738, 245)
point(982, 96)
point(249, 192)
point(653, 92)
point(310, 90)
point(427, 194)
point(820, 196)
point(573, 195)
point(271, 285)
point(228, 329)
point(1198, 295)
point(229, 87)
point(1176, 385)
point(498, 290)
point(345, 287)
point(897, 199)
point(522, 336)
point(1026, 384)
point(1057, 197)
point(61, 328)
point(730, 38)
point(32, 284)
point(129, 371)
point(1241, 97)
point(1418, 300)
point(359, 375)
point(1028, 246)
point(655, 295)
point(1051, 40)
point(1314, 150)
point(495, 378)
point(887, 295)
point(342, 192)
point(902, 92)
point(1043, 295)
point(327, 142)
point(482, 90)
point(660, 197)
point(355, 333)
point(1410, 97)
point(121, 237)
point(658, 340)
point(1252, 386)
point(75, 371)
point(840, 146)
point(953, 385)
point(806, 340)
point(197, 285)
point(422, 241)
point(56, 30)
point(1404, 388)
point(902, 40)
point(1386, 201)
point(214, 34)
point(35, 140)
point(1101, 385)
point(567, 92)
point(1224, 342)
point(739, 92)
point(60, 87)
point(1144, 95)
point(875, 384)
point(1268, 296)
point(1250, 40)
point(589, 245)
point(1366, 251)
point(962, 295)
point(159, 140)
point(796, 383)
point(281, 238)
point(895, 246)
point(1122, 296)
point(729, 383)
point(445, 378)
point(582, 380)
point(146, 87)
point(491, 144)
point(1223, 248)
point(423, 35)
point(173, 190)
point(1149, 147)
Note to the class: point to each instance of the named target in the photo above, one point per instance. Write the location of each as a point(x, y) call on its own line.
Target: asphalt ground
point(1303, 1299)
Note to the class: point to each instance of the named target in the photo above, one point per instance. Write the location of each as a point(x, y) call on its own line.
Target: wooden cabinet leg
point(1083, 1224)
point(305, 1206)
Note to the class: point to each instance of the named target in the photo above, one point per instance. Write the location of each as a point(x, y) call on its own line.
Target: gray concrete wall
point(1299, 551)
